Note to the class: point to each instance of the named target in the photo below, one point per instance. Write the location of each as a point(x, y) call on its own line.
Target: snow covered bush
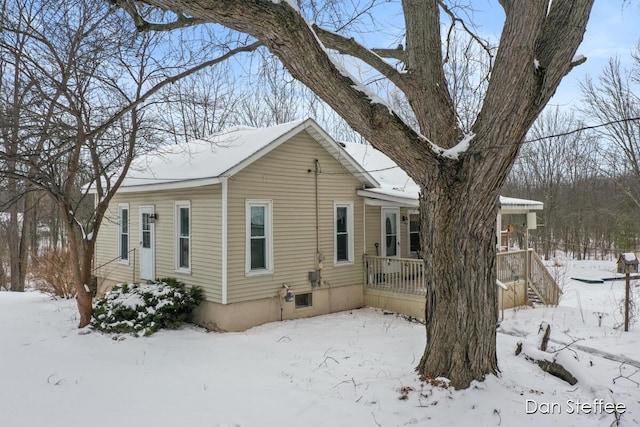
point(142, 309)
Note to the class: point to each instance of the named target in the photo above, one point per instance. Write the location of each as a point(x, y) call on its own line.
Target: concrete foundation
point(240, 316)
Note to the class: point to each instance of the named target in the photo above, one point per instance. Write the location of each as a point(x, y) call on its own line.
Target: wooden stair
point(542, 287)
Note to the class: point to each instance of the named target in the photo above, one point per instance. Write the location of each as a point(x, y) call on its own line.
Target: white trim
point(268, 205)
point(350, 235)
point(499, 231)
point(169, 185)
point(379, 198)
point(152, 236)
point(176, 238)
point(409, 213)
point(383, 232)
point(364, 227)
point(121, 207)
point(225, 208)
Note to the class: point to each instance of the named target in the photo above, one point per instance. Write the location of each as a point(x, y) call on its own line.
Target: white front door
point(147, 243)
point(391, 232)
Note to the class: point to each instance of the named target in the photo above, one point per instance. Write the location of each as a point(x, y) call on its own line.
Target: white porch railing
point(401, 275)
point(406, 275)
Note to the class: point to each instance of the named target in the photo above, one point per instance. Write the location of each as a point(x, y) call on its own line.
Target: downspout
point(319, 257)
point(317, 172)
point(225, 194)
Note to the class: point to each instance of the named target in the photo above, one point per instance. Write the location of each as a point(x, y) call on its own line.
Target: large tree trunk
point(459, 243)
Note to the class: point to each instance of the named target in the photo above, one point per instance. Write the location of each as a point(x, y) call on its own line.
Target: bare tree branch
point(350, 47)
point(181, 21)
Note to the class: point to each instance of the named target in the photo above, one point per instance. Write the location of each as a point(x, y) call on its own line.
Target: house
point(273, 223)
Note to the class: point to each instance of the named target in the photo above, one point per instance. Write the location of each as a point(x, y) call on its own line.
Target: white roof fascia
point(172, 185)
point(377, 198)
point(519, 206)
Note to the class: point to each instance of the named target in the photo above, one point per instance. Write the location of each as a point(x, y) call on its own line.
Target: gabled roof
point(224, 154)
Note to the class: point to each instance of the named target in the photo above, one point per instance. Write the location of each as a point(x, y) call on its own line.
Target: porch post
point(498, 231)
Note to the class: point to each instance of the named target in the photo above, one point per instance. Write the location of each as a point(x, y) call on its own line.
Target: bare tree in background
point(543, 165)
point(93, 82)
point(16, 100)
point(198, 105)
point(614, 99)
point(460, 171)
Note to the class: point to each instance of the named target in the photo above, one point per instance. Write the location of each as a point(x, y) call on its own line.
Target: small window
point(183, 235)
point(123, 232)
point(304, 300)
point(259, 249)
point(343, 238)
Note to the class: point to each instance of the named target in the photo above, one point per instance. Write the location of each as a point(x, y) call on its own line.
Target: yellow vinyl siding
point(373, 230)
point(205, 234)
point(286, 176)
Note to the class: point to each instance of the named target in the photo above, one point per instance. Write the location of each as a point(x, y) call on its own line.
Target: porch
point(398, 284)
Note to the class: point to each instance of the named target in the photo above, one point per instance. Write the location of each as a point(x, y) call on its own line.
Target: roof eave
point(382, 198)
point(172, 185)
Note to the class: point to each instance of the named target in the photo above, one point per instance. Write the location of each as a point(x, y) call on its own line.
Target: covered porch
point(398, 284)
point(394, 276)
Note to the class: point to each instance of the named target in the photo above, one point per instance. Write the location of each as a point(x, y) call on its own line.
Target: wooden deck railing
point(542, 282)
point(401, 275)
point(406, 275)
point(516, 265)
point(511, 266)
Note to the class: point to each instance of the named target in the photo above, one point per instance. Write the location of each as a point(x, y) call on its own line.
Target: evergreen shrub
point(144, 308)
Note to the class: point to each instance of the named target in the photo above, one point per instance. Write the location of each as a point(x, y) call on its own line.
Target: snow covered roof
point(393, 180)
point(513, 205)
point(221, 155)
point(397, 187)
point(629, 256)
point(210, 160)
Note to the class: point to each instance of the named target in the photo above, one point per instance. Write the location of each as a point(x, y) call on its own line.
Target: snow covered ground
point(346, 369)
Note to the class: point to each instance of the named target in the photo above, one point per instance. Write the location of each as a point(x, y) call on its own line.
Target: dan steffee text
point(575, 406)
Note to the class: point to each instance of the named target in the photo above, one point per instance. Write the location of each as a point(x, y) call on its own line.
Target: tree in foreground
point(460, 168)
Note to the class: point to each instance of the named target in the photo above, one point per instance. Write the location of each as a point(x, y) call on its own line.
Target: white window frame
point(123, 207)
point(409, 213)
point(180, 204)
point(350, 236)
point(268, 206)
